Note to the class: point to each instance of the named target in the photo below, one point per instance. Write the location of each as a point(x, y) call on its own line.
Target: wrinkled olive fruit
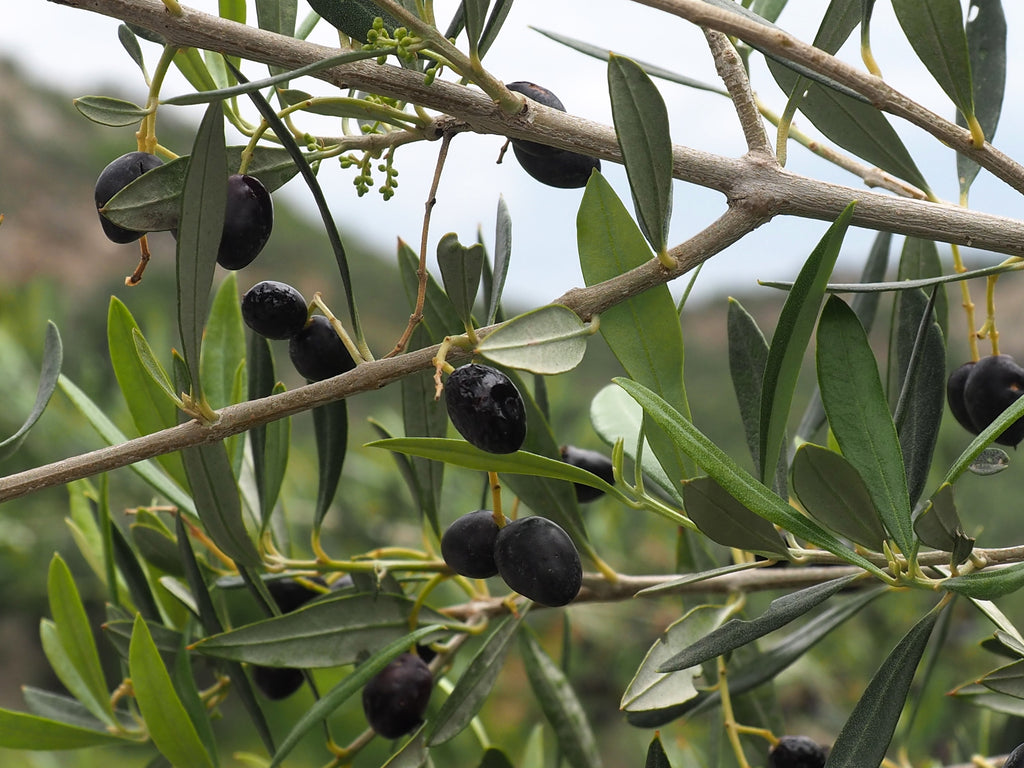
point(1016, 758)
point(281, 682)
point(115, 177)
point(467, 546)
point(993, 385)
point(797, 752)
point(317, 352)
point(537, 559)
point(550, 165)
point(248, 221)
point(955, 396)
point(396, 698)
point(486, 408)
point(274, 310)
point(592, 461)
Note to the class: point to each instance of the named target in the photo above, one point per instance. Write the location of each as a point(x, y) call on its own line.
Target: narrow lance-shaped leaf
point(748, 354)
point(858, 415)
point(223, 346)
point(935, 30)
point(217, 501)
point(560, 705)
point(439, 315)
point(644, 332)
point(475, 684)
point(656, 757)
point(865, 737)
point(53, 356)
point(460, 270)
point(642, 128)
point(723, 519)
point(106, 110)
point(752, 494)
point(330, 424)
point(169, 725)
point(834, 494)
point(738, 632)
point(793, 332)
point(502, 257)
point(986, 50)
point(422, 416)
point(20, 730)
point(72, 631)
point(199, 233)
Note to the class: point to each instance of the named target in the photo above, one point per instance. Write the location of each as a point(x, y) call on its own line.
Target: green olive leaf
point(460, 272)
point(546, 341)
point(109, 111)
point(53, 357)
point(723, 519)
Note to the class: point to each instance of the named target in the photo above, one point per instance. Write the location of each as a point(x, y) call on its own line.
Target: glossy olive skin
point(486, 408)
point(396, 698)
point(537, 559)
point(467, 545)
point(1016, 758)
point(592, 461)
point(317, 352)
point(281, 682)
point(797, 752)
point(994, 384)
point(248, 221)
point(115, 177)
point(550, 165)
point(955, 385)
point(274, 310)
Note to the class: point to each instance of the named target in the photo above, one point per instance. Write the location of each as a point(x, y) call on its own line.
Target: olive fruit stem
point(353, 349)
point(414, 613)
point(731, 726)
point(499, 517)
point(146, 135)
point(136, 277)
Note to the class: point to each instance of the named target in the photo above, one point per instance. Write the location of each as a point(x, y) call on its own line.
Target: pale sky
point(78, 51)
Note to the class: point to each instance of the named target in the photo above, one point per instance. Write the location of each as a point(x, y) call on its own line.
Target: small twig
point(421, 271)
point(731, 70)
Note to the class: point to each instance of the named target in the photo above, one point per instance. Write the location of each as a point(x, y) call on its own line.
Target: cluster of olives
point(248, 217)
point(278, 311)
point(550, 165)
point(797, 752)
point(533, 555)
point(977, 392)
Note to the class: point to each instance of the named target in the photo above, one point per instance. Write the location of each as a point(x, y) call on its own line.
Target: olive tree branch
point(730, 69)
point(877, 91)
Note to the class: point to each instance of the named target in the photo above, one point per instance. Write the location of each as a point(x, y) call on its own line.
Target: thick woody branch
point(763, 189)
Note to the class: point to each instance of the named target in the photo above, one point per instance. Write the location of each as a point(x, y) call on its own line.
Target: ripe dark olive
point(550, 165)
point(994, 384)
point(317, 352)
point(537, 559)
point(115, 177)
point(281, 682)
point(396, 698)
point(955, 396)
point(1016, 758)
point(248, 220)
point(797, 752)
point(592, 461)
point(274, 310)
point(486, 408)
point(468, 545)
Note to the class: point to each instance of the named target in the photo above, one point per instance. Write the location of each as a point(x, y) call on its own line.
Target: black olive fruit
point(955, 396)
point(486, 408)
point(550, 165)
point(396, 698)
point(281, 682)
point(995, 382)
point(1016, 758)
point(317, 352)
point(248, 220)
point(537, 559)
point(592, 461)
point(797, 752)
point(274, 310)
point(468, 545)
point(115, 177)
